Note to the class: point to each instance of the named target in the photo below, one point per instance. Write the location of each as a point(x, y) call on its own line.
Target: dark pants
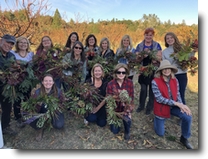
point(182, 80)
point(127, 126)
point(143, 96)
point(6, 108)
point(93, 118)
point(57, 122)
point(17, 105)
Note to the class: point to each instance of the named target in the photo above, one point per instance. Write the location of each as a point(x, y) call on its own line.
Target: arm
point(158, 96)
point(160, 99)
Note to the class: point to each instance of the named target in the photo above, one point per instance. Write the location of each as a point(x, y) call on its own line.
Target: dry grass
point(76, 135)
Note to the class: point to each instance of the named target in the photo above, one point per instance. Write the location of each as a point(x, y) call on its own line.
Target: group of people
point(166, 85)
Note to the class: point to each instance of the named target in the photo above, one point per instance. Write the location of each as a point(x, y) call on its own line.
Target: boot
point(186, 143)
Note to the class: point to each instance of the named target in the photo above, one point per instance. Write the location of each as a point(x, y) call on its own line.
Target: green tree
point(57, 20)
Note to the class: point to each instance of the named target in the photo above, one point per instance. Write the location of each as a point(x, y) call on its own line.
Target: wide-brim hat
point(166, 64)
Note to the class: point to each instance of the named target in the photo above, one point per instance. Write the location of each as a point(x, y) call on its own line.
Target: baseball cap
point(9, 38)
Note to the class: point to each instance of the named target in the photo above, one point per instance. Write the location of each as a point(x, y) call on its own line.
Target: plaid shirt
point(160, 99)
point(113, 88)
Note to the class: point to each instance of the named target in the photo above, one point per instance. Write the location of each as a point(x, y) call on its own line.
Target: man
point(6, 58)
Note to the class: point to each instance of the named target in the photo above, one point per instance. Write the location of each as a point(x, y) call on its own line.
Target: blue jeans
point(185, 123)
point(93, 118)
point(127, 126)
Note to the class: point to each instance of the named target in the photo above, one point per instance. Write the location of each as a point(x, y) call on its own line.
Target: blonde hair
point(130, 42)
point(117, 67)
point(18, 40)
point(97, 65)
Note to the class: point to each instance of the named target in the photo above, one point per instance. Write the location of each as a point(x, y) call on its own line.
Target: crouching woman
point(52, 106)
point(168, 102)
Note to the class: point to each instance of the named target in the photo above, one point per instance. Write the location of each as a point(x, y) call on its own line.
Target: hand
point(95, 110)
point(184, 108)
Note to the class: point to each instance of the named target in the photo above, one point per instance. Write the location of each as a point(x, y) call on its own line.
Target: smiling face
point(169, 40)
point(148, 37)
point(126, 42)
point(6, 46)
point(22, 44)
point(104, 45)
point(91, 41)
point(77, 50)
point(48, 82)
point(73, 38)
point(98, 72)
point(46, 42)
point(166, 72)
point(121, 73)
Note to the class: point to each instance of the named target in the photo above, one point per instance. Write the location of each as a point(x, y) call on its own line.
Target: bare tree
point(20, 17)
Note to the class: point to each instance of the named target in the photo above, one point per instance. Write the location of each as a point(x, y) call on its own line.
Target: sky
point(86, 10)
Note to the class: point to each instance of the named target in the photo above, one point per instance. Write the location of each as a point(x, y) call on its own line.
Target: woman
point(78, 60)
point(168, 102)
point(147, 45)
point(71, 40)
point(42, 56)
point(23, 56)
point(91, 50)
point(126, 46)
point(119, 83)
point(48, 88)
point(105, 50)
point(173, 46)
point(98, 114)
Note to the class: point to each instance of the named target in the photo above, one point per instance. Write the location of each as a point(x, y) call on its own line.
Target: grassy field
point(76, 135)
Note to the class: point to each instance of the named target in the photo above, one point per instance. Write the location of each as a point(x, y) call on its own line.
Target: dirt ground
point(76, 135)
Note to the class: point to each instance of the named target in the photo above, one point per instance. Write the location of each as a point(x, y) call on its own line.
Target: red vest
point(163, 110)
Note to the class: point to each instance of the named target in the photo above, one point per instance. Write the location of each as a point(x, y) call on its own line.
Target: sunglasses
point(78, 48)
point(119, 72)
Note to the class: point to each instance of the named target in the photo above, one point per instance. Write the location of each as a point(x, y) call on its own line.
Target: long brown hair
point(176, 45)
point(40, 47)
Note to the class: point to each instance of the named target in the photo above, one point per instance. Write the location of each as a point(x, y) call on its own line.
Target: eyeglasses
point(22, 42)
point(45, 40)
point(78, 48)
point(119, 72)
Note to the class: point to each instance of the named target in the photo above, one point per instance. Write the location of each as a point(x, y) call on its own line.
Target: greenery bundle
point(114, 117)
point(17, 80)
point(184, 57)
point(51, 104)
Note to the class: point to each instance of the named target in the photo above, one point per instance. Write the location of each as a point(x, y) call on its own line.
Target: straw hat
point(166, 64)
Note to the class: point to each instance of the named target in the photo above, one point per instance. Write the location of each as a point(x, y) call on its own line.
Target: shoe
point(147, 112)
point(126, 136)
point(186, 143)
point(9, 131)
point(20, 124)
point(139, 109)
point(86, 122)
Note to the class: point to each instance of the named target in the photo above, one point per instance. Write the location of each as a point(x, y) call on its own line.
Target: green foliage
point(82, 97)
point(17, 80)
point(57, 20)
point(112, 117)
point(52, 104)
